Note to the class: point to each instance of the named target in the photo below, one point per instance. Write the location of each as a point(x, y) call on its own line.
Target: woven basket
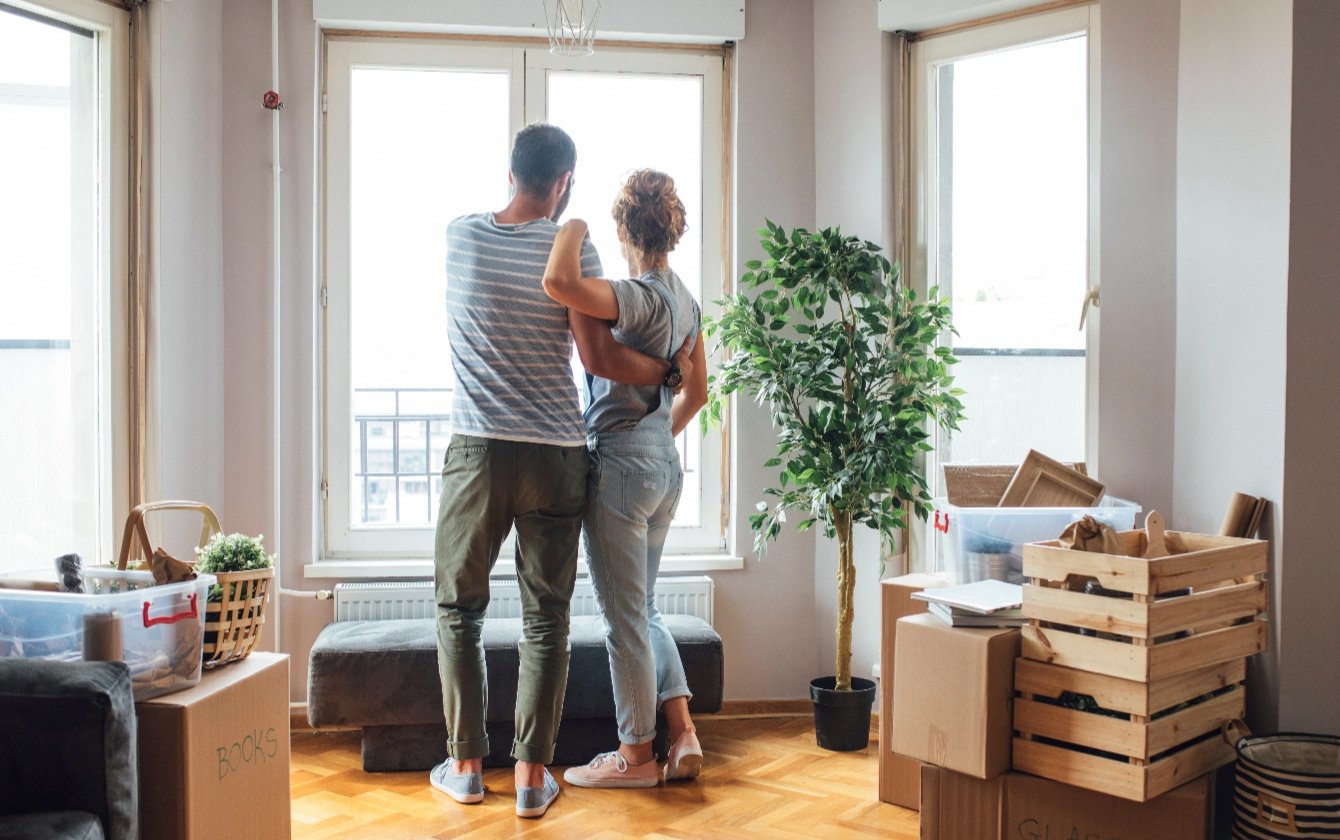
point(233, 623)
point(1288, 785)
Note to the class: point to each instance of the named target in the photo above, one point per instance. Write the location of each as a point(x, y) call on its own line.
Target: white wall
point(1137, 322)
point(766, 612)
point(1233, 276)
point(247, 273)
point(919, 15)
point(1309, 576)
point(187, 432)
point(684, 21)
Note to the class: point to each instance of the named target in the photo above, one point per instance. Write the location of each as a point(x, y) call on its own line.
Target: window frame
point(406, 551)
point(111, 27)
point(980, 40)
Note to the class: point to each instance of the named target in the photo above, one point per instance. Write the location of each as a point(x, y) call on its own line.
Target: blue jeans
point(632, 490)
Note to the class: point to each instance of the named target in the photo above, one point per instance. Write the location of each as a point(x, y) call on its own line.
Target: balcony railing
point(401, 437)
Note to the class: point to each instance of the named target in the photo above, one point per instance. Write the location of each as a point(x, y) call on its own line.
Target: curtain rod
point(949, 29)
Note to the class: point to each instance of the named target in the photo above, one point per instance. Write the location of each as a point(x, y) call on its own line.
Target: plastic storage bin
point(159, 631)
point(987, 543)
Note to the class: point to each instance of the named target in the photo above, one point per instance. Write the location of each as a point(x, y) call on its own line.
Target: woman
point(635, 475)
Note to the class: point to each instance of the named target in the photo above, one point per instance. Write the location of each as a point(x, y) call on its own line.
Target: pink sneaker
point(685, 758)
point(612, 770)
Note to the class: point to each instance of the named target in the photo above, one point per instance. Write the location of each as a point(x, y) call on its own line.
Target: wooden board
point(1128, 661)
point(983, 485)
point(1119, 778)
point(1206, 560)
point(1130, 738)
point(1149, 620)
point(1046, 482)
point(1206, 608)
point(1131, 697)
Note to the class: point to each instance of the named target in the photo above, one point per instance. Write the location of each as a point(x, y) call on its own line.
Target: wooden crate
point(1160, 745)
point(1164, 646)
point(1144, 637)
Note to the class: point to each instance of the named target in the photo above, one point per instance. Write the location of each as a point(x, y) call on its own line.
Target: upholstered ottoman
point(382, 676)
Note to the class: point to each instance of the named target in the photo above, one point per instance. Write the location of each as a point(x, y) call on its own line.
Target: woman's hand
point(683, 359)
point(693, 395)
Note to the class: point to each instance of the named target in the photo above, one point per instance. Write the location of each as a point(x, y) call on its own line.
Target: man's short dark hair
point(540, 154)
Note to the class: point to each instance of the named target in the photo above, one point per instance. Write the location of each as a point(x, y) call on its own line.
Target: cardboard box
point(899, 775)
point(953, 690)
point(1017, 806)
point(214, 759)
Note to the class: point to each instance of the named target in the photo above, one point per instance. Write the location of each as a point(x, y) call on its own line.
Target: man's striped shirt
point(511, 349)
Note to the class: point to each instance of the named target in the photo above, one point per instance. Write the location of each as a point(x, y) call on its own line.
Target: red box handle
point(172, 619)
point(942, 525)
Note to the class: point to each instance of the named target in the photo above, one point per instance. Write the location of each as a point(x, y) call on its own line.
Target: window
point(1005, 211)
point(61, 163)
point(420, 132)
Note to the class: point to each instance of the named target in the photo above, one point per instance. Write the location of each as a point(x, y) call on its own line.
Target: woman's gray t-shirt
point(644, 324)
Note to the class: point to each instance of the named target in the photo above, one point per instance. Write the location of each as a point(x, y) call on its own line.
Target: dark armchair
point(67, 751)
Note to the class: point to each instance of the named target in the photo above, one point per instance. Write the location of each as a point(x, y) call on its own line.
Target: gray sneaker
point(467, 788)
point(534, 801)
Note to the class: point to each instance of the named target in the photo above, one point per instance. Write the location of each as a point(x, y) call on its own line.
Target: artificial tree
point(849, 363)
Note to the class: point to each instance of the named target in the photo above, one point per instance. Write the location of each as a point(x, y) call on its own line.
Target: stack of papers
point(986, 603)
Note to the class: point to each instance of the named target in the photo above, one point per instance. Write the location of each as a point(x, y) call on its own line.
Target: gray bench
point(382, 676)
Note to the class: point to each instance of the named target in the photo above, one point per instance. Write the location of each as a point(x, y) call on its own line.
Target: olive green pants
point(489, 486)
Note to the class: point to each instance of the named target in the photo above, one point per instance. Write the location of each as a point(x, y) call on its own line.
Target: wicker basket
point(233, 623)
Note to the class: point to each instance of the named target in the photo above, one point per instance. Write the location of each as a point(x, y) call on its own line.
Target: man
point(517, 457)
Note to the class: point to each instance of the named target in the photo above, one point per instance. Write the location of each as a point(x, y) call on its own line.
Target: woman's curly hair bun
point(648, 212)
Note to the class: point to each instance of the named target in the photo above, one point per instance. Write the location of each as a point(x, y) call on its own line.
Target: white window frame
point(927, 56)
point(407, 551)
point(111, 26)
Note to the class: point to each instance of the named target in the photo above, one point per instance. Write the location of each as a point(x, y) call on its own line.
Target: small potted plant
point(237, 602)
point(848, 362)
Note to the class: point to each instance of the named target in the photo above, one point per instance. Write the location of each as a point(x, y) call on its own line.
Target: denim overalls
point(633, 489)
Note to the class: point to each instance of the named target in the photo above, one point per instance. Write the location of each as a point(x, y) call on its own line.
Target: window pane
point(33, 53)
point(51, 283)
point(1013, 246)
point(416, 506)
point(622, 122)
point(412, 447)
point(426, 146)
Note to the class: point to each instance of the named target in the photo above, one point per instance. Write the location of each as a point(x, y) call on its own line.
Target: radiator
point(414, 599)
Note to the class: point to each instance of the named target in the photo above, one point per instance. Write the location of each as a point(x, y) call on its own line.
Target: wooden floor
point(762, 777)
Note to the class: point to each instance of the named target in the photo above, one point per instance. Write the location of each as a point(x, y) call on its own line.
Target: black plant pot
point(842, 718)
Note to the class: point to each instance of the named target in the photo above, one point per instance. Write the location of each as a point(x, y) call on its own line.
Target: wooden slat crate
point(1145, 637)
point(1163, 646)
point(1158, 747)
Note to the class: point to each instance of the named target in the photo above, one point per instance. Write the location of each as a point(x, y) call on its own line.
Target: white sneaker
point(612, 770)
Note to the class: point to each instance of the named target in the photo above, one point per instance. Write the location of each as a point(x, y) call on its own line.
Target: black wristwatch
point(673, 377)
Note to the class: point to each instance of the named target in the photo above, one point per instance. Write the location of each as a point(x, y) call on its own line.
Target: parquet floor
point(762, 778)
